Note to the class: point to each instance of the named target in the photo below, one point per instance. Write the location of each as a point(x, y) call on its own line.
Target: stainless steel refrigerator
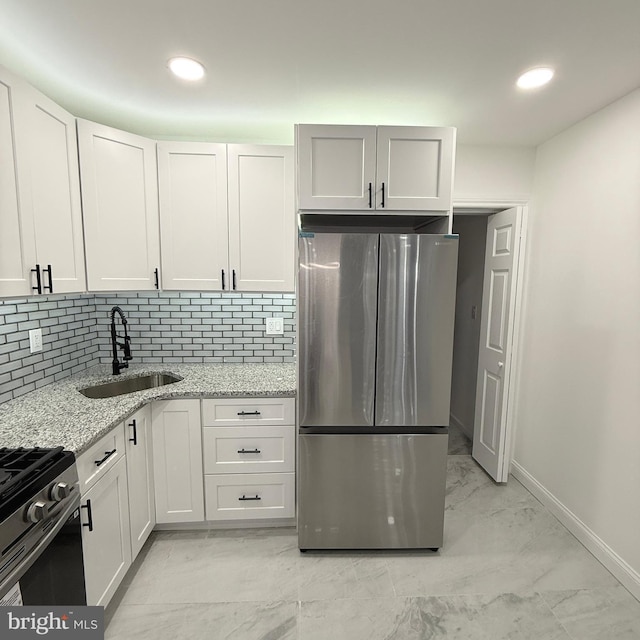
point(375, 340)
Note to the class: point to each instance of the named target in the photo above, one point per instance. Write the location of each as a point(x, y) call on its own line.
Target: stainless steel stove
point(40, 530)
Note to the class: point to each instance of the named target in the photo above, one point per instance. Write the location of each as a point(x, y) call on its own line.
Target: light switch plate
point(275, 326)
point(35, 340)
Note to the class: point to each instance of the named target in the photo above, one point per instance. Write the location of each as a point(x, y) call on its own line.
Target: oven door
point(53, 572)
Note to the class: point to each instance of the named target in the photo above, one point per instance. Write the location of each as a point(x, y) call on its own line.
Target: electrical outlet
point(275, 326)
point(35, 340)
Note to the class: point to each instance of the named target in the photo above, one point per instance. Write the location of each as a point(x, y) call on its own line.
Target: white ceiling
point(272, 63)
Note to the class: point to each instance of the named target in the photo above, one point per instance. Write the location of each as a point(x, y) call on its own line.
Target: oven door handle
point(24, 565)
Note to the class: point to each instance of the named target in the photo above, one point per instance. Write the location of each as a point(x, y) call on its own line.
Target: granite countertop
point(59, 415)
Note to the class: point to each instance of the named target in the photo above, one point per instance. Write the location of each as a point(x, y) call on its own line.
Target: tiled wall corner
point(68, 336)
point(200, 327)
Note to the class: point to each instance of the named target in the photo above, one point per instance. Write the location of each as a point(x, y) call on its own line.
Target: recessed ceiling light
point(186, 68)
point(535, 78)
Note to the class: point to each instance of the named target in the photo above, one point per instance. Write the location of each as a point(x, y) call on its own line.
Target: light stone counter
point(59, 415)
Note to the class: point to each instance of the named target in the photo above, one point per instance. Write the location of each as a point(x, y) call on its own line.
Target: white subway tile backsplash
point(207, 327)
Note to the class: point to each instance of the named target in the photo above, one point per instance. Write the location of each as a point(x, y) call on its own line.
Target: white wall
point(493, 174)
point(578, 409)
point(473, 235)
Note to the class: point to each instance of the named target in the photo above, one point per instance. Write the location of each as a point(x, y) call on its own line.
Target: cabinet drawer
point(248, 449)
point(229, 412)
point(101, 457)
point(249, 497)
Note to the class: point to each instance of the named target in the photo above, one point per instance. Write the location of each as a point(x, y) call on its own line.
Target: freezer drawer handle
point(243, 450)
point(248, 413)
point(244, 498)
point(107, 455)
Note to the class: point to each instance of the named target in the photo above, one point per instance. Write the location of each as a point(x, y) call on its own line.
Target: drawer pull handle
point(244, 498)
point(89, 515)
point(249, 451)
point(135, 433)
point(248, 413)
point(107, 455)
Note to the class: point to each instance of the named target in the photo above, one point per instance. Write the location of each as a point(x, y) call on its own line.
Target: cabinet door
point(142, 510)
point(414, 168)
point(177, 461)
point(262, 221)
point(336, 167)
point(48, 134)
point(106, 544)
point(192, 181)
point(120, 208)
point(17, 240)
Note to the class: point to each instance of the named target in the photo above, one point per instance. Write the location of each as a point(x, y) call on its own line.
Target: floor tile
point(223, 621)
point(507, 616)
point(471, 490)
point(597, 614)
point(329, 576)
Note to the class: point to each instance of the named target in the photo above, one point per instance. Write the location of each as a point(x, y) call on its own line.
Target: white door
point(48, 134)
point(142, 509)
point(336, 166)
point(262, 223)
point(177, 461)
point(496, 343)
point(119, 177)
point(192, 181)
point(414, 168)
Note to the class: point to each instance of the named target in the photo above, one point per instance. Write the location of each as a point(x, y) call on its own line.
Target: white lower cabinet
point(118, 512)
point(177, 461)
point(106, 543)
point(249, 458)
point(142, 509)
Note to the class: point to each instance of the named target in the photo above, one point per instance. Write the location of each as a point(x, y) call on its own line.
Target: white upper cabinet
point(336, 166)
point(227, 216)
point(192, 181)
point(17, 239)
point(261, 218)
point(41, 247)
point(381, 169)
point(120, 207)
point(414, 168)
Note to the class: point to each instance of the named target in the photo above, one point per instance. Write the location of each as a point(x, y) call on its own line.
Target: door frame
point(487, 208)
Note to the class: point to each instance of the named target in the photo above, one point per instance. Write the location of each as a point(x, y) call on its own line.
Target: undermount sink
point(129, 385)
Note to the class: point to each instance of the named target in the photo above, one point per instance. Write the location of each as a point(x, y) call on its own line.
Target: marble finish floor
point(508, 570)
point(459, 442)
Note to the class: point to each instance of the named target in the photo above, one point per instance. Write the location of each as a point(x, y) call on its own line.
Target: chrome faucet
point(126, 345)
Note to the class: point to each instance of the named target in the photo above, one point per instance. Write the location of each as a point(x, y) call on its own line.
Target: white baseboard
point(461, 425)
point(627, 575)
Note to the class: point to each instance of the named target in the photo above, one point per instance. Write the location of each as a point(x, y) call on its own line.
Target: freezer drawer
point(371, 491)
